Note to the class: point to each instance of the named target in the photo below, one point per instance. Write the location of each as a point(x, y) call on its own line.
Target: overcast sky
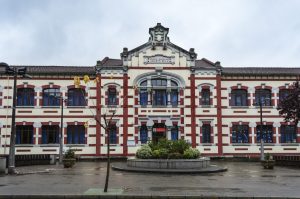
point(79, 32)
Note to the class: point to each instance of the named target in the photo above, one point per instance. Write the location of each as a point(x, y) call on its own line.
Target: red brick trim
point(219, 115)
point(125, 114)
point(193, 110)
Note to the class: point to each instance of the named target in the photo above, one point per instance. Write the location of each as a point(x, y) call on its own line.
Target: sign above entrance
point(159, 59)
point(159, 130)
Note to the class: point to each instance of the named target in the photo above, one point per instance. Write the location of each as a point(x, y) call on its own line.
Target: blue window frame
point(160, 97)
point(143, 97)
point(174, 133)
point(288, 134)
point(24, 134)
point(240, 134)
point(51, 97)
point(76, 97)
point(113, 134)
point(76, 134)
point(174, 97)
point(267, 133)
point(205, 97)
point(263, 96)
point(144, 134)
point(239, 97)
point(112, 96)
point(206, 133)
point(25, 97)
point(50, 134)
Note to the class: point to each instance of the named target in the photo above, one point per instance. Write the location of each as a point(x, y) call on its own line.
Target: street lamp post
point(262, 156)
point(61, 130)
point(14, 71)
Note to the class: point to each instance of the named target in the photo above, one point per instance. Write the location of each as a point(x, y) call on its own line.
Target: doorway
point(158, 132)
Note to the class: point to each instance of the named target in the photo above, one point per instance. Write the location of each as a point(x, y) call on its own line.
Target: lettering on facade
point(159, 59)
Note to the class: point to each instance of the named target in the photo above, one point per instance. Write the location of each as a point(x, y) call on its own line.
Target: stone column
point(252, 125)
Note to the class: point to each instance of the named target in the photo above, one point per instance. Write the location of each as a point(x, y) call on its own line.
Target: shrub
point(179, 146)
point(268, 156)
point(175, 156)
point(69, 154)
point(163, 153)
point(191, 153)
point(156, 154)
point(144, 152)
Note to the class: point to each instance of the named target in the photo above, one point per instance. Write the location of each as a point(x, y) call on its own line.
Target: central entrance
point(158, 132)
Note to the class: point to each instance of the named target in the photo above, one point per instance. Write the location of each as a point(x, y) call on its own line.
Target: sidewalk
point(243, 179)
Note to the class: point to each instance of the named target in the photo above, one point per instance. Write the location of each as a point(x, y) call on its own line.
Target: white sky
point(79, 32)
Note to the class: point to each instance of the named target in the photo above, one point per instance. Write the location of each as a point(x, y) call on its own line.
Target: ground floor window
point(174, 133)
point(24, 134)
point(206, 133)
point(50, 134)
point(267, 133)
point(113, 134)
point(240, 134)
point(288, 134)
point(144, 134)
point(76, 134)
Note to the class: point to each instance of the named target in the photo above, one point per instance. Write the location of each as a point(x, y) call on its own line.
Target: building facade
point(157, 90)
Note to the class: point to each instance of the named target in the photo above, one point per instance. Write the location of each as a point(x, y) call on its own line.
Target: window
point(112, 96)
point(288, 134)
point(267, 133)
point(51, 97)
point(159, 97)
point(263, 96)
point(205, 97)
point(240, 134)
point(144, 134)
point(174, 133)
point(143, 97)
point(174, 97)
point(76, 97)
point(24, 134)
point(206, 133)
point(76, 134)
point(239, 98)
point(158, 82)
point(283, 94)
point(112, 134)
point(50, 134)
point(25, 97)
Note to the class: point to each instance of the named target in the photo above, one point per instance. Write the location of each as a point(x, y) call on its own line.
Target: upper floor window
point(143, 97)
point(76, 134)
point(240, 134)
point(50, 134)
point(239, 97)
point(76, 97)
point(25, 97)
point(283, 94)
point(144, 134)
point(112, 96)
point(205, 97)
point(263, 96)
point(206, 133)
point(158, 82)
point(267, 133)
point(174, 97)
point(24, 134)
point(159, 97)
point(51, 97)
point(288, 134)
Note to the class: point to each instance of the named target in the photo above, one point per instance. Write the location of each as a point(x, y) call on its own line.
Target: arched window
point(283, 93)
point(76, 97)
point(288, 134)
point(144, 134)
point(24, 134)
point(267, 133)
point(76, 134)
point(263, 96)
point(50, 134)
point(25, 97)
point(112, 96)
point(143, 93)
point(239, 97)
point(51, 97)
point(174, 93)
point(174, 133)
point(240, 134)
point(205, 97)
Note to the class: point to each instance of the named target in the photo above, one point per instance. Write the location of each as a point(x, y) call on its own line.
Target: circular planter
point(169, 163)
point(268, 164)
point(68, 163)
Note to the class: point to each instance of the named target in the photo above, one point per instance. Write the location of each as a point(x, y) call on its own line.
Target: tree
point(289, 107)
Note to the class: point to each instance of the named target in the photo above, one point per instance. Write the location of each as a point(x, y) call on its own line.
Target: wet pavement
point(241, 179)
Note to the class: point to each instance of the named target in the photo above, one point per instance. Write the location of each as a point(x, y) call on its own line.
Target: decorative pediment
point(159, 36)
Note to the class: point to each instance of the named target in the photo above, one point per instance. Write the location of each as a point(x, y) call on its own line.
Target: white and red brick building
point(158, 90)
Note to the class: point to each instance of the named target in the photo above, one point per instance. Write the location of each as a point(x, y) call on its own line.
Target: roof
point(111, 62)
point(53, 70)
point(260, 71)
point(204, 64)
